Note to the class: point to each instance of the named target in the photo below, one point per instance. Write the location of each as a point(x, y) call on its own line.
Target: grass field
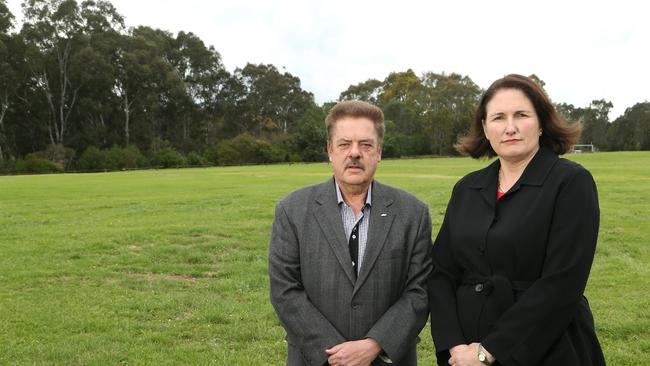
point(169, 267)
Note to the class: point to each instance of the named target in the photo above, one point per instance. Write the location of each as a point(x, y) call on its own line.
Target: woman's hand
point(464, 355)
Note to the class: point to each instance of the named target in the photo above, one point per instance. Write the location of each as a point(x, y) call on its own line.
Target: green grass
point(169, 266)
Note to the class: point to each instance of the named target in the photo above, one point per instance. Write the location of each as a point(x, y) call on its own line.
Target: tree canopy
point(78, 89)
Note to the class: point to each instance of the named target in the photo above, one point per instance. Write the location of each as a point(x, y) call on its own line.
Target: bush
point(60, 154)
point(195, 159)
point(35, 164)
point(7, 166)
point(94, 159)
point(227, 153)
point(247, 147)
point(212, 154)
point(129, 157)
point(168, 157)
point(295, 158)
point(267, 153)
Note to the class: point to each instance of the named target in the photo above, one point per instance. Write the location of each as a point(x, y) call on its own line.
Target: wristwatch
point(482, 356)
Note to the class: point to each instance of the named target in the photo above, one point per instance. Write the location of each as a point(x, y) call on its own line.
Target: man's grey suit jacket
point(313, 287)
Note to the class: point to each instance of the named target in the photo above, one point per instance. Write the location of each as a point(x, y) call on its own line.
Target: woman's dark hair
point(558, 135)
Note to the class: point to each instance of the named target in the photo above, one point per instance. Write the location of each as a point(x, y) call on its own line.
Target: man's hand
point(464, 355)
point(354, 353)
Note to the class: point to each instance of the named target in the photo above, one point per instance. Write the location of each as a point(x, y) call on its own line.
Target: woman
point(515, 249)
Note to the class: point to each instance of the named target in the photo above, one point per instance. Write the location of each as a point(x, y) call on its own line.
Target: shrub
point(7, 166)
point(94, 159)
point(212, 154)
point(267, 153)
point(196, 159)
point(168, 157)
point(35, 164)
point(60, 154)
point(227, 153)
point(247, 147)
point(128, 157)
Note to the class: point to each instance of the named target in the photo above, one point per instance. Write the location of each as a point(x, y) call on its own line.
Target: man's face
point(354, 151)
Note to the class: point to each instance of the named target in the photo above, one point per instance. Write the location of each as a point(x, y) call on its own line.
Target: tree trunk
point(127, 114)
point(4, 105)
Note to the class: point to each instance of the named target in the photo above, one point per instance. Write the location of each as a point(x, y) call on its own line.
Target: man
point(349, 257)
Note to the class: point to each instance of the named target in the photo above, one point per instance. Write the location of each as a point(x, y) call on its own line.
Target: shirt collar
point(339, 195)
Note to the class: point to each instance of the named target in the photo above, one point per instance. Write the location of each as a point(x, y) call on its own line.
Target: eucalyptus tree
point(367, 91)
point(7, 73)
point(203, 76)
point(268, 99)
point(449, 109)
point(595, 121)
point(631, 131)
point(53, 31)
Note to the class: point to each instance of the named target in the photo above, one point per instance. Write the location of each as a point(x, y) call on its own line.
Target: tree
point(631, 131)
point(595, 121)
point(538, 81)
point(204, 77)
point(8, 77)
point(450, 105)
point(267, 99)
point(52, 30)
point(368, 91)
point(311, 136)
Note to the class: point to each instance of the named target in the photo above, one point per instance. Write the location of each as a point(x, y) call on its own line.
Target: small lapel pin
point(384, 215)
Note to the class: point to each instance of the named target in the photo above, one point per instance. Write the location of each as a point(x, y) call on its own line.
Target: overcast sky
point(583, 50)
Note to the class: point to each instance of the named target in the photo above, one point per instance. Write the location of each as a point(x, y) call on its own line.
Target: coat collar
point(534, 175)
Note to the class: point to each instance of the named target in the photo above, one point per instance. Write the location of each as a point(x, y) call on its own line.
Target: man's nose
point(355, 151)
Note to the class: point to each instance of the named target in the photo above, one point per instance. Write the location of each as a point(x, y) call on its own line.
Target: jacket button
point(478, 287)
point(355, 307)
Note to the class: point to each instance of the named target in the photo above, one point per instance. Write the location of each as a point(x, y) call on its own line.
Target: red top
point(499, 195)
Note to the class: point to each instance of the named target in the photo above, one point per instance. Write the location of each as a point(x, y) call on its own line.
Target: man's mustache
point(354, 164)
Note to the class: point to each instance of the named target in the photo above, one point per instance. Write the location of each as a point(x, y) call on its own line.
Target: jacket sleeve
point(400, 325)
point(296, 312)
point(525, 333)
point(445, 327)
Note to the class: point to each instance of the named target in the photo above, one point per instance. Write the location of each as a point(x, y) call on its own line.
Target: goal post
point(580, 148)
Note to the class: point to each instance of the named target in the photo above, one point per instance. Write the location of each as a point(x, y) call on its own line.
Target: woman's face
point(511, 125)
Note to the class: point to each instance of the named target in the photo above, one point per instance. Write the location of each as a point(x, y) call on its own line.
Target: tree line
point(80, 91)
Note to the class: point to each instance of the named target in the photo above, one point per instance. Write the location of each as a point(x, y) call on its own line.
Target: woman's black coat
point(511, 273)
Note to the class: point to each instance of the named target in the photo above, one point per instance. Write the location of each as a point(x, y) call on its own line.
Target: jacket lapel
point(486, 181)
point(329, 219)
point(381, 220)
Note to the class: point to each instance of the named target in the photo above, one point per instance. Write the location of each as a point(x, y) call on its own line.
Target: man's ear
point(329, 150)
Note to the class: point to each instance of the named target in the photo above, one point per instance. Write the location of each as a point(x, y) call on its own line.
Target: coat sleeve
point(445, 327)
point(526, 331)
point(296, 312)
point(403, 321)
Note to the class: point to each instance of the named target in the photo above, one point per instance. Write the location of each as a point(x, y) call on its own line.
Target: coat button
point(478, 287)
point(355, 306)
